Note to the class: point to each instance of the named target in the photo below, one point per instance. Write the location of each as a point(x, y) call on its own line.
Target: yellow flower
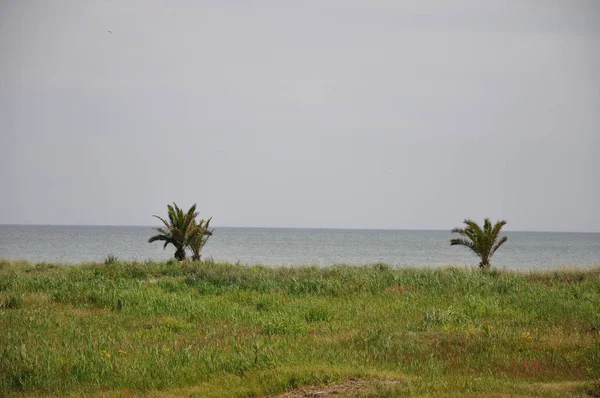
point(122, 352)
point(165, 349)
point(526, 336)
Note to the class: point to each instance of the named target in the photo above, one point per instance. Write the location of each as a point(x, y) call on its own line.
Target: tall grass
point(218, 329)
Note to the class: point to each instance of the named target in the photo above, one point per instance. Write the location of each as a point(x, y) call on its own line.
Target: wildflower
point(526, 336)
point(122, 352)
point(165, 349)
point(105, 354)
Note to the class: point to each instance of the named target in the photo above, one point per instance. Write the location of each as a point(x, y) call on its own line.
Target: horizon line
point(270, 227)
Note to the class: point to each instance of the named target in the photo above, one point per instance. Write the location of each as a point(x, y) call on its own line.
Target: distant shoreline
point(4, 262)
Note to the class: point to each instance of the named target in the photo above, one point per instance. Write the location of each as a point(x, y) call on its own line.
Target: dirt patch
point(561, 385)
point(86, 311)
point(349, 387)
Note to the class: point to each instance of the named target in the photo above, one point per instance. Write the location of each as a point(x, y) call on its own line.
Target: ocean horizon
point(269, 227)
point(288, 246)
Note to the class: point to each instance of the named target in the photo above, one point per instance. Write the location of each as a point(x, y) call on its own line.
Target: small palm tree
point(178, 231)
point(483, 241)
point(199, 238)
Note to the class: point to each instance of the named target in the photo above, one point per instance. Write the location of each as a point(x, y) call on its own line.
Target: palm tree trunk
point(180, 254)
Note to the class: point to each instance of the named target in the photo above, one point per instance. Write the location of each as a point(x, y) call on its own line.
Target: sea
point(298, 246)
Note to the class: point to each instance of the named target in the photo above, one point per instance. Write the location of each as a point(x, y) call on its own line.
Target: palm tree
point(199, 238)
point(178, 231)
point(483, 241)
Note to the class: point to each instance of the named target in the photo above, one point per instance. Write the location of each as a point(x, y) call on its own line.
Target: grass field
point(213, 329)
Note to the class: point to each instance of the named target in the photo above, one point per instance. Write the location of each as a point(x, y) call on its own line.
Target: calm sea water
point(283, 246)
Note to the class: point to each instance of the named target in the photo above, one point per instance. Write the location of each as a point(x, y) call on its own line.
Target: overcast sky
point(343, 114)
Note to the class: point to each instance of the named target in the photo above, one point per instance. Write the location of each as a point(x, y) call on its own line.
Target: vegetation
point(199, 239)
point(182, 231)
point(203, 329)
point(483, 241)
point(110, 259)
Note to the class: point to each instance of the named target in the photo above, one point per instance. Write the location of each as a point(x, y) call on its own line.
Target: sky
point(326, 114)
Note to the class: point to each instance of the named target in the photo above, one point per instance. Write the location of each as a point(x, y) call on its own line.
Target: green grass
point(215, 329)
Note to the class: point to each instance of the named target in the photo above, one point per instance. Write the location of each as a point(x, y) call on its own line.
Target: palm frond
point(500, 243)
point(487, 226)
point(163, 220)
point(158, 237)
point(497, 227)
point(463, 242)
point(172, 214)
point(472, 225)
point(161, 231)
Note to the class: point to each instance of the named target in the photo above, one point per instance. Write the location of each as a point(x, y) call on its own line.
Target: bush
point(111, 259)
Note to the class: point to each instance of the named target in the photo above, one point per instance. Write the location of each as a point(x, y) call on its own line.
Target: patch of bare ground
point(349, 387)
point(561, 385)
point(497, 395)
